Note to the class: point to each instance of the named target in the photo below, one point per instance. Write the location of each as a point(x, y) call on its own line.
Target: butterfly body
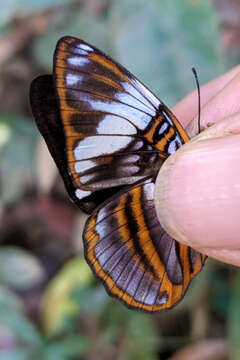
point(109, 136)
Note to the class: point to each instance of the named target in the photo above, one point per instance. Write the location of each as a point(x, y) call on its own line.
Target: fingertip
point(197, 193)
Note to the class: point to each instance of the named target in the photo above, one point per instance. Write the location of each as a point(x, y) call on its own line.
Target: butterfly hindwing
point(138, 262)
point(117, 132)
point(47, 116)
point(46, 113)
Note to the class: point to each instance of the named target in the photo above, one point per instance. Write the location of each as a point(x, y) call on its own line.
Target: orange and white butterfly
point(109, 136)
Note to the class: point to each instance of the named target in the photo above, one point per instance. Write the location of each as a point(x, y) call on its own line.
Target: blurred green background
point(51, 307)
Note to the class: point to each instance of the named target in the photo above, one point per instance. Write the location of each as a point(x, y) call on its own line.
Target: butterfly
point(109, 135)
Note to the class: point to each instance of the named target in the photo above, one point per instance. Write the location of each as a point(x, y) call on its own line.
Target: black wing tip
point(34, 86)
point(38, 79)
point(66, 38)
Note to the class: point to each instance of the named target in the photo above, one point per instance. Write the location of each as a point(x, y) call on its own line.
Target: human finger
point(197, 192)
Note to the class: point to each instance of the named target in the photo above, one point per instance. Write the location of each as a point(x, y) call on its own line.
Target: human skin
point(197, 193)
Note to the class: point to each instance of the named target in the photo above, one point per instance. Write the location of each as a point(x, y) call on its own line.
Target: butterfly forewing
point(135, 258)
point(117, 132)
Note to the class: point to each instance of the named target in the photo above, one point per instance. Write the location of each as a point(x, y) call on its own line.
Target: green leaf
point(5, 134)
point(91, 300)
point(19, 268)
point(140, 327)
point(7, 297)
point(16, 322)
point(58, 303)
point(7, 10)
point(234, 321)
point(10, 8)
point(160, 41)
point(17, 155)
point(13, 319)
point(27, 6)
point(16, 354)
point(67, 348)
point(138, 334)
point(89, 28)
point(219, 291)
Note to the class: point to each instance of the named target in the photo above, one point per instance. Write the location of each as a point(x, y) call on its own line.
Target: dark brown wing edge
point(45, 112)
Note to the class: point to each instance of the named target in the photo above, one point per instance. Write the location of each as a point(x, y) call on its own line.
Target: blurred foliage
point(169, 36)
point(19, 269)
point(50, 306)
point(18, 140)
point(234, 320)
point(75, 274)
point(12, 8)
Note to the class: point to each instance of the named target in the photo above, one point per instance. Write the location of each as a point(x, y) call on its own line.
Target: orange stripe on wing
point(144, 236)
point(107, 63)
point(174, 292)
point(179, 127)
point(161, 144)
point(67, 111)
point(150, 134)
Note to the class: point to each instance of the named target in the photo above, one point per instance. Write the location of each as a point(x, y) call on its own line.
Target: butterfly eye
point(109, 136)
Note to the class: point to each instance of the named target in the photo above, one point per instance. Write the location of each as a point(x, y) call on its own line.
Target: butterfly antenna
point(199, 98)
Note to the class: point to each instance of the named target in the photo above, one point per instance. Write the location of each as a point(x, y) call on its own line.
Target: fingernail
point(197, 193)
